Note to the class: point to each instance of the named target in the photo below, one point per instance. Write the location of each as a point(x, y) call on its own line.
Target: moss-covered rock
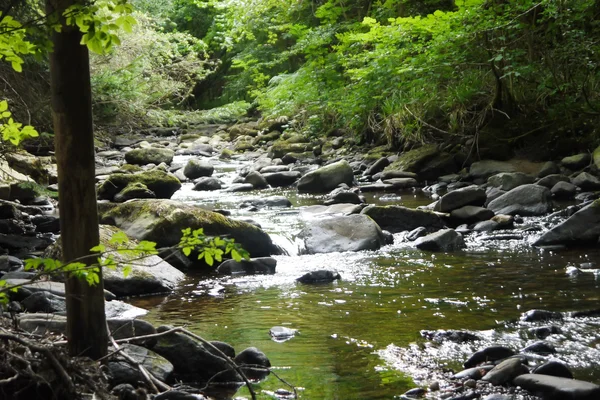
point(40, 169)
point(163, 184)
point(150, 155)
point(596, 157)
point(283, 147)
point(136, 190)
point(413, 160)
point(162, 221)
point(326, 178)
point(226, 154)
point(577, 161)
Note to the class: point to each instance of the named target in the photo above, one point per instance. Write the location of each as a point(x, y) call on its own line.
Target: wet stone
point(492, 353)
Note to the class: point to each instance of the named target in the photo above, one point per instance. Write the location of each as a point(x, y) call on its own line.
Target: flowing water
point(355, 335)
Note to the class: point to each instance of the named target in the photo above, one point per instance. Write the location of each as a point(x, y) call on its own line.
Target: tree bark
point(74, 145)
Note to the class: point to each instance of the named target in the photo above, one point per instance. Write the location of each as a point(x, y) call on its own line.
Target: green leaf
point(119, 238)
point(127, 270)
point(98, 249)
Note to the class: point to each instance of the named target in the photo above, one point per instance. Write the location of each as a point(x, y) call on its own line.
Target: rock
point(470, 195)
point(543, 332)
point(283, 147)
point(251, 360)
point(282, 334)
point(540, 315)
point(414, 160)
point(42, 324)
point(442, 240)
point(553, 368)
point(505, 372)
point(596, 157)
point(267, 202)
point(450, 336)
point(240, 187)
point(224, 348)
point(342, 233)
point(498, 397)
point(557, 388)
point(123, 372)
point(486, 168)
point(441, 164)
point(549, 168)
point(196, 168)
point(26, 287)
point(416, 233)
point(136, 190)
point(342, 209)
point(509, 180)
point(161, 221)
point(473, 373)
point(115, 309)
point(576, 162)
point(564, 190)
point(587, 181)
point(398, 218)
point(46, 223)
point(125, 328)
point(493, 353)
point(148, 275)
point(401, 183)
point(393, 174)
point(256, 180)
point(261, 265)
point(539, 348)
point(341, 196)
point(45, 302)
point(524, 200)
point(415, 393)
point(10, 263)
point(207, 183)
point(580, 228)
point(192, 360)
point(163, 184)
point(319, 276)
point(550, 180)
point(281, 179)
point(151, 155)
point(471, 214)
point(377, 166)
point(326, 178)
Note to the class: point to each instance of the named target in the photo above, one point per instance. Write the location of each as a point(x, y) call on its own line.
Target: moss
point(163, 184)
point(413, 160)
point(596, 157)
point(130, 168)
point(226, 154)
point(281, 148)
point(189, 137)
point(151, 155)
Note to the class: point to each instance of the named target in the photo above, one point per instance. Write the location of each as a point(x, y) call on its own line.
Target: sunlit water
point(355, 335)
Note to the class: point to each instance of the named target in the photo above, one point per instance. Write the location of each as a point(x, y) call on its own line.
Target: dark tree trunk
point(74, 144)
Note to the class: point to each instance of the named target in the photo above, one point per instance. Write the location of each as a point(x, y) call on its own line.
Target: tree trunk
point(74, 144)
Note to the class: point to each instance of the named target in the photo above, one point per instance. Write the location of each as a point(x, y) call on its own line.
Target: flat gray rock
point(557, 388)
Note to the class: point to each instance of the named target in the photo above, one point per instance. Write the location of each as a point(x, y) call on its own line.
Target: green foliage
point(207, 248)
point(13, 132)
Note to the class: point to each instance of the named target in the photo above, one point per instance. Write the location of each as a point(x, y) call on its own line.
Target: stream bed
point(359, 337)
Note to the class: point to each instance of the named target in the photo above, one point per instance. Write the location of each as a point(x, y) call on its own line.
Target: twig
point(426, 124)
point(55, 363)
point(203, 341)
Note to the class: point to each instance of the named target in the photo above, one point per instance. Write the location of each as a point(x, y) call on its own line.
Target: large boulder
point(283, 147)
point(162, 221)
point(486, 168)
point(326, 178)
point(150, 155)
point(283, 178)
point(162, 183)
point(123, 372)
point(149, 274)
point(136, 190)
point(586, 181)
point(342, 233)
point(440, 165)
point(442, 240)
point(467, 196)
point(524, 200)
point(414, 160)
point(509, 180)
point(193, 360)
point(398, 218)
point(557, 388)
point(550, 180)
point(577, 161)
point(580, 228)
point(197, 168)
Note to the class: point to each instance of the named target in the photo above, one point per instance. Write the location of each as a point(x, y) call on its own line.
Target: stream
point(359, 337)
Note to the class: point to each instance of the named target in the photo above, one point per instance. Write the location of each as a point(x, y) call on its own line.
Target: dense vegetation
point(401, 72)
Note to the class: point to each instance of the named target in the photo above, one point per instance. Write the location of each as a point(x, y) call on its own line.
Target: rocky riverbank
point(551, 205)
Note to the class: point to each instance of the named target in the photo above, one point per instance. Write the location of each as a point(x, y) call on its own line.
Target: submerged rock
point(319, 276)
point(261, 265)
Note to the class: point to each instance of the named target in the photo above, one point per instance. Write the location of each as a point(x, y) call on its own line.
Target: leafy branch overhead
point(209, 249)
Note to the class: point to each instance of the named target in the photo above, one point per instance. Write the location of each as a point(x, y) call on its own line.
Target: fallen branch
point(232, 364)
